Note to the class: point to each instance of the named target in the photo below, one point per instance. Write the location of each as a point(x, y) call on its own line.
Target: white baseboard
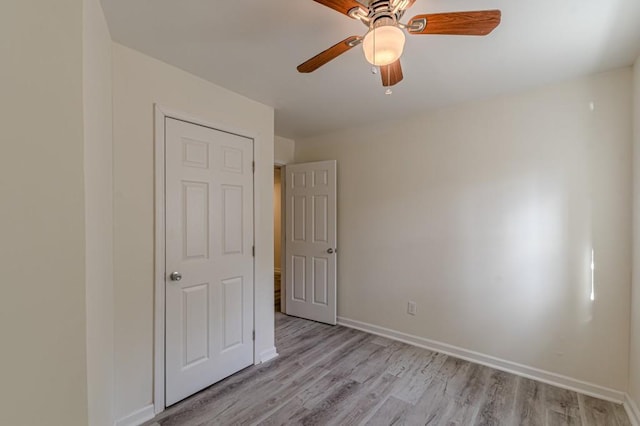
point(268, 355)
point(490, 361)
point(137, 417)
point(632, 410)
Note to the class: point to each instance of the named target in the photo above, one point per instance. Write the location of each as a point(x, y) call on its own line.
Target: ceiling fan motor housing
point(381, 13)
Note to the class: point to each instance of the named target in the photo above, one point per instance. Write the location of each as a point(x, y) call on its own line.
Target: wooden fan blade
point(342, 6)
point(391, 74)
point(476, 23)
point(331, 53)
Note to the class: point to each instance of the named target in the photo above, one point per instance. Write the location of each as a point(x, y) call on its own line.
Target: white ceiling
point(253, 48)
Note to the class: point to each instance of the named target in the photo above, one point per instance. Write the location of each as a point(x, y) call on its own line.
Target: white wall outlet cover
point(411, 308)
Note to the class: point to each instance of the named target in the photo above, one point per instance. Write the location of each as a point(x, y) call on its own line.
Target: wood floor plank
point(376, 361)
point(332, 375)
point(302, 403)
point(400, 361)
point(452, 395)
point(466, 381)
point(461, 413)
point(314, 395)
point(530, 403)
point(333, 404)
point(330, 342)
point(355, 364)
point(467, 391)
point(243, 405)
point(285, 415)
point(432, 407)
point(598, 412)
point(498, 403)
point(375, 392)
point(279, 391)
point(555, 418)
point(345, 352)
point(563, 402)
point(289, 328)
point(418, 373)
point(453, 370)
point(269, 397)
point(382, 341)
point(310, 339)
point(621, 415)
point(228, 392)
point(392, 412)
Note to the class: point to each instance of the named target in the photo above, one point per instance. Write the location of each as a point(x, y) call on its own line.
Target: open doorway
point(277, 237)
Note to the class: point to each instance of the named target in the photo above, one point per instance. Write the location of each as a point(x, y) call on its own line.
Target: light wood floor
point(338, 376)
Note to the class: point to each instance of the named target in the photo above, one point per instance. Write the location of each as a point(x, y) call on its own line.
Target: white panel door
point(209, 242)
point(311, 240)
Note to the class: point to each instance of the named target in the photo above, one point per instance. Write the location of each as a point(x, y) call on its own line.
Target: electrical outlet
point(411, 308)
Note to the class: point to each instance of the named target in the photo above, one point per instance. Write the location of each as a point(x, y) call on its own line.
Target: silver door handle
point(330, 251)
point(175, 276)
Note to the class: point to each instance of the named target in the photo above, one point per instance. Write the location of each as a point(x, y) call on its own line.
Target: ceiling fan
point(384, 42)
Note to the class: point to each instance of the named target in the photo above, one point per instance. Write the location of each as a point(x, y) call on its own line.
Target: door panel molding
point(162, 113)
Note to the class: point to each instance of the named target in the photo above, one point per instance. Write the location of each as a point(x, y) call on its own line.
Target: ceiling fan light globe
point(383, 45)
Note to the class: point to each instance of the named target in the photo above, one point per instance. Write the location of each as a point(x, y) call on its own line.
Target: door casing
point(161, 113)
point(283, 267)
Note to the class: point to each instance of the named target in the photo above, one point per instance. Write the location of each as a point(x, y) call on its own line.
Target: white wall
point(284, 150)
point(42, 238)
point(98, 175)
point(140, 82)
point(634, 381)
point(485, 215)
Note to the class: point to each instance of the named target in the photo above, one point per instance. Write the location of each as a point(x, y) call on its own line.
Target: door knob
point(330, 251)
point(175, 276)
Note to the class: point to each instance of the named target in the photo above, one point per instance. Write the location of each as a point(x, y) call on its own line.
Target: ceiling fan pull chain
point(388, 91)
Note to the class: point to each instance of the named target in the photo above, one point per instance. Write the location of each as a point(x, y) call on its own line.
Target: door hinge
point(253, 251)
point(253, 166)
point(253, 335)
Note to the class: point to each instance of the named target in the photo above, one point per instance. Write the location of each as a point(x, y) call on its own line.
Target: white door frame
point(161, 114)
point(283, 267)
